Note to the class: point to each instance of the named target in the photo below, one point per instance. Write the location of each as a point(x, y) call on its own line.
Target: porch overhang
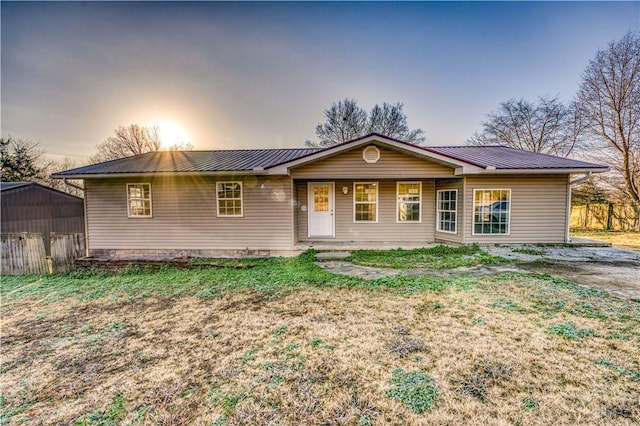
point(460, 167)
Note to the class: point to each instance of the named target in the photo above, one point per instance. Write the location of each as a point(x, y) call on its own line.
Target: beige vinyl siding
point(538, 208)
point(184, 215)
point(391, 165)
point(450, 184)
point(386, 229)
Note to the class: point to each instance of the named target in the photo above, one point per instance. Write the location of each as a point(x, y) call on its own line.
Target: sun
point(171, 133)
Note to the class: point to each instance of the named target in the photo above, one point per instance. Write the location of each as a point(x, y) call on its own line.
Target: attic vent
point(371, 154)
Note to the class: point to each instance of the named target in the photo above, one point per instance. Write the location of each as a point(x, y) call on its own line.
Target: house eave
point(490, 171)
point(284, 168)
point(160, 174)
point(459, 171)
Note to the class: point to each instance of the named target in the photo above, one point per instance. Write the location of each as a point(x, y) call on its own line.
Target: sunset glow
point(244, 75)
point(171, 133)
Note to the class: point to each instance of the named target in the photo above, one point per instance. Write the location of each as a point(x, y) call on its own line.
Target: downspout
point(580, 179)
point(86, 226)
point(73, 185)
point(567, 238)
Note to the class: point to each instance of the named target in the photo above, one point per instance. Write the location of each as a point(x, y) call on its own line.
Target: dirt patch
point(613, 270)
point(620, 279)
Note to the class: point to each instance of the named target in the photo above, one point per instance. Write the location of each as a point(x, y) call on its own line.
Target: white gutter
point(160, 174)
point(580, 179)
point(489, 170)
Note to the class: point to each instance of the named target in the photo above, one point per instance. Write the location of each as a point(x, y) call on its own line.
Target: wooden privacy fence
point(65, 249)
point(24, 253)
point(618, 217)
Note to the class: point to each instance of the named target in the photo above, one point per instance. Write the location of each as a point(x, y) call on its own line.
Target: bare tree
point(130, 140)
point(60, 185)
point(609, 101)
point(390, 120)
point(545, 126)
point(25, 161)
point(22, 160)
point(345, 121)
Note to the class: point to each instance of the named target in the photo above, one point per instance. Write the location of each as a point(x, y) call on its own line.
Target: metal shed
point(31, 207)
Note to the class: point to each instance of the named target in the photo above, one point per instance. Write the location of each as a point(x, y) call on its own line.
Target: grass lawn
point(438, 257)
point(623, 239)
point(285, 343)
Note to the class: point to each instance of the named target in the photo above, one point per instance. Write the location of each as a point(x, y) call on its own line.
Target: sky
point(248, 75)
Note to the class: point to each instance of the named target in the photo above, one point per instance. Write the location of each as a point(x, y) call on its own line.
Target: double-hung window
point(447, 210)
point(491, 211)
point(365, 195)
point(409, 196)
point(139, 199)
point(229, 198)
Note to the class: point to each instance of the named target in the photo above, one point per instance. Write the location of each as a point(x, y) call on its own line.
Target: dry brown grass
point(623, 239)
point(322, 356)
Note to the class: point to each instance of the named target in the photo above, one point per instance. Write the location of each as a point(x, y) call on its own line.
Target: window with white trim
point(139, 199)
point(409, 201)
point(229, 197)
point(365, 200)
point(491, 211)
point(447, 210)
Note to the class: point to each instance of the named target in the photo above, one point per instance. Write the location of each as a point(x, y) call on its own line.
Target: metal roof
point(258, 160)
point(30, 186)
point(506, 158)
point(11, 185)
point(193, 161)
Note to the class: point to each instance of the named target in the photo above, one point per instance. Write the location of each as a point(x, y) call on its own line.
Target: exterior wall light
point(345, 190)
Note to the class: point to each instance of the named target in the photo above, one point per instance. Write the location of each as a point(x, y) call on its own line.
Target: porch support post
point(567, 237)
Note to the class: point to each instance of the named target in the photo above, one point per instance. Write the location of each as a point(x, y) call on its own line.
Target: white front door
point(321, 209)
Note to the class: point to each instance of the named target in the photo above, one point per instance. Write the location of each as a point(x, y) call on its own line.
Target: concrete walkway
point(613, 270)
point(335, 262)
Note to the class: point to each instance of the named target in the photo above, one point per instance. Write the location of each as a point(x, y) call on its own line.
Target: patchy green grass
point(623, 239)
point(633, 375)
point(530, 404)
point(438, 257)
point(276, 276)
point(414, 389)
point(268, 275)
point(111, 416)
point(568, 330)
point(287, 343)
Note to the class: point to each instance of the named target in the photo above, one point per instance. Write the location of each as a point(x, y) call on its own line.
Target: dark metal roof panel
point(500, 157)
point(12, 185)
point(505, 158)
point(193, 161)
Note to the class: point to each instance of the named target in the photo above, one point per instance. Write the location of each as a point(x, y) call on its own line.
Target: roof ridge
point(468, 146)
